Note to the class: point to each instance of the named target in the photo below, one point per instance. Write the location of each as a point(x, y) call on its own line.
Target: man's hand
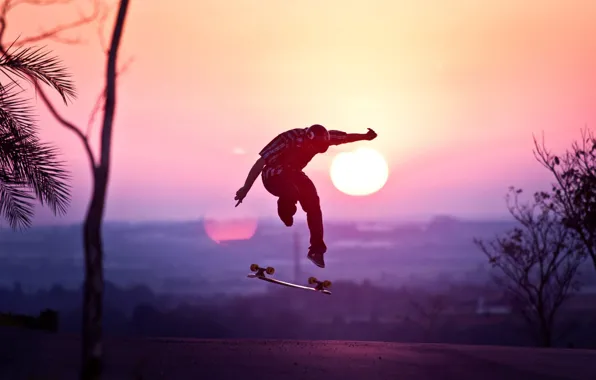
point(370, 135)
point(240, 195)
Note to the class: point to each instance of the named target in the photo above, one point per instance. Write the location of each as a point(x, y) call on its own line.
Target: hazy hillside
point(181, 257)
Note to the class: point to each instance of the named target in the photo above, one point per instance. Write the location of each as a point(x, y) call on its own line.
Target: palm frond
point(47, 176)
point(36, 63)
point(16, 130)
point(11, 152)
point(29, 169)
point(25, 160)
point(16, 203)
point(16, 113)
point(35, 164)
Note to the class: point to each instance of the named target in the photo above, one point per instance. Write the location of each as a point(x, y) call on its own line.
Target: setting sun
point(360, 172)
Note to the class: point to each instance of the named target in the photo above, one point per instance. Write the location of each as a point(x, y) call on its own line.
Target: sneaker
point(315, 254)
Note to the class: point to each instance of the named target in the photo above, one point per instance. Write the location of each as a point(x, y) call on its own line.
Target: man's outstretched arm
point(339, 137)
point(253, 174)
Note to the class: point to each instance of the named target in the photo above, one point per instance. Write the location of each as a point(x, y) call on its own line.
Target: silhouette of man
point(281, 168)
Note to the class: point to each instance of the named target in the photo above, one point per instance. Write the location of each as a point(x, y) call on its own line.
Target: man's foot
point(316, 253)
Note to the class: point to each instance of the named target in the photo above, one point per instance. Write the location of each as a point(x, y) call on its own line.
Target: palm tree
point(29, 169)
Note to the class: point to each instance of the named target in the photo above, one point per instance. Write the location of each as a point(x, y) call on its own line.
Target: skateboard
point(261, 273)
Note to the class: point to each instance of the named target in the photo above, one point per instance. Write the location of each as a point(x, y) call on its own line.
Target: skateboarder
point(280, 166)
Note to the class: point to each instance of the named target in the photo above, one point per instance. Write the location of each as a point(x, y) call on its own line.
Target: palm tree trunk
point(93, 286)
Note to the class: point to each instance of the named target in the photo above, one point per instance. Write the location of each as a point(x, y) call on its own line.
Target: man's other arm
point(340, 137)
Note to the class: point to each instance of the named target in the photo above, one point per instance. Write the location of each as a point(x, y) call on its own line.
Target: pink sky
point(454, 89)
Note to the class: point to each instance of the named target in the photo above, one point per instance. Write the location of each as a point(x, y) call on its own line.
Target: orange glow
point(230, 229)
point(454, 89)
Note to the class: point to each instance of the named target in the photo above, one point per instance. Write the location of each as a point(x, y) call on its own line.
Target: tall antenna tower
point(297, 273)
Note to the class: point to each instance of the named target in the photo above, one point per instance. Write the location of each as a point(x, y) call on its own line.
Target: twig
point(68, 125)
point(15, 3)
point(54, 33)
point(101, 97)
point(103, 16)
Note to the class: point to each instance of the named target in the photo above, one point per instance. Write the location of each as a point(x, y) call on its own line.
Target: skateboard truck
point(320, 285)
point(260, 272)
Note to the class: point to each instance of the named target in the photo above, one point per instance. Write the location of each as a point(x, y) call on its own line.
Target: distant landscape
point(181, 258)
point(419, 282)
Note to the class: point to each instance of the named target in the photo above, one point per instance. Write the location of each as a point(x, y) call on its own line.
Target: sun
point(360, 172)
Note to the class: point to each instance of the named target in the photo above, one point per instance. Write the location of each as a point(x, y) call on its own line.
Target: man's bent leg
point(310, 202)
point(286, 209)
point(282, 187)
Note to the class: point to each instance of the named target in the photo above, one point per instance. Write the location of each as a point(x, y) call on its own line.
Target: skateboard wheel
point(254, 267)
point(270, 270)
point(312, 280)
point(326, 284)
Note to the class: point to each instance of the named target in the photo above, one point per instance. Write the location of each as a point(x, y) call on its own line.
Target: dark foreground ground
point(29, 355)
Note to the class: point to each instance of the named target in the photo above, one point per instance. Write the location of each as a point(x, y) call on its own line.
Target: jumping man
point(281, 165)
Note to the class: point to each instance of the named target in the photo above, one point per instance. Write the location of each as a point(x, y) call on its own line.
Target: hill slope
point(23, 354)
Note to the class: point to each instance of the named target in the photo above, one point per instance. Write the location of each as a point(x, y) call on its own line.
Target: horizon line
point(413, 219)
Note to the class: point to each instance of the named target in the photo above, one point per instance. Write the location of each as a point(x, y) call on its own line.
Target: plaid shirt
point(289, 151)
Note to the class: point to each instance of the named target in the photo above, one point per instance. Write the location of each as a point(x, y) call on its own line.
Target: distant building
point(483, 309)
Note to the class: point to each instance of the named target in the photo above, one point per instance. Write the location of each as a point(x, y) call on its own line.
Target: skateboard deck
point(260, 274)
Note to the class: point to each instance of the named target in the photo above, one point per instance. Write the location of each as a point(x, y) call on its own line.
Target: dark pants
point(292, 187)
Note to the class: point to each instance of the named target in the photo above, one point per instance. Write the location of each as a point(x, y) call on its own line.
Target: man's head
point(319, 137)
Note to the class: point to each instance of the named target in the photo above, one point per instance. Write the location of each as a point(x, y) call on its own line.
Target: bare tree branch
point(15, 3)
point(67, 124)
point(573, 193)
point(65, 40)
point(538, 262)
point(102, 19)
point(55, 32)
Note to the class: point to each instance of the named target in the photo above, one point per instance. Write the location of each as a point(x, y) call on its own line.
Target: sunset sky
point(455, 90)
